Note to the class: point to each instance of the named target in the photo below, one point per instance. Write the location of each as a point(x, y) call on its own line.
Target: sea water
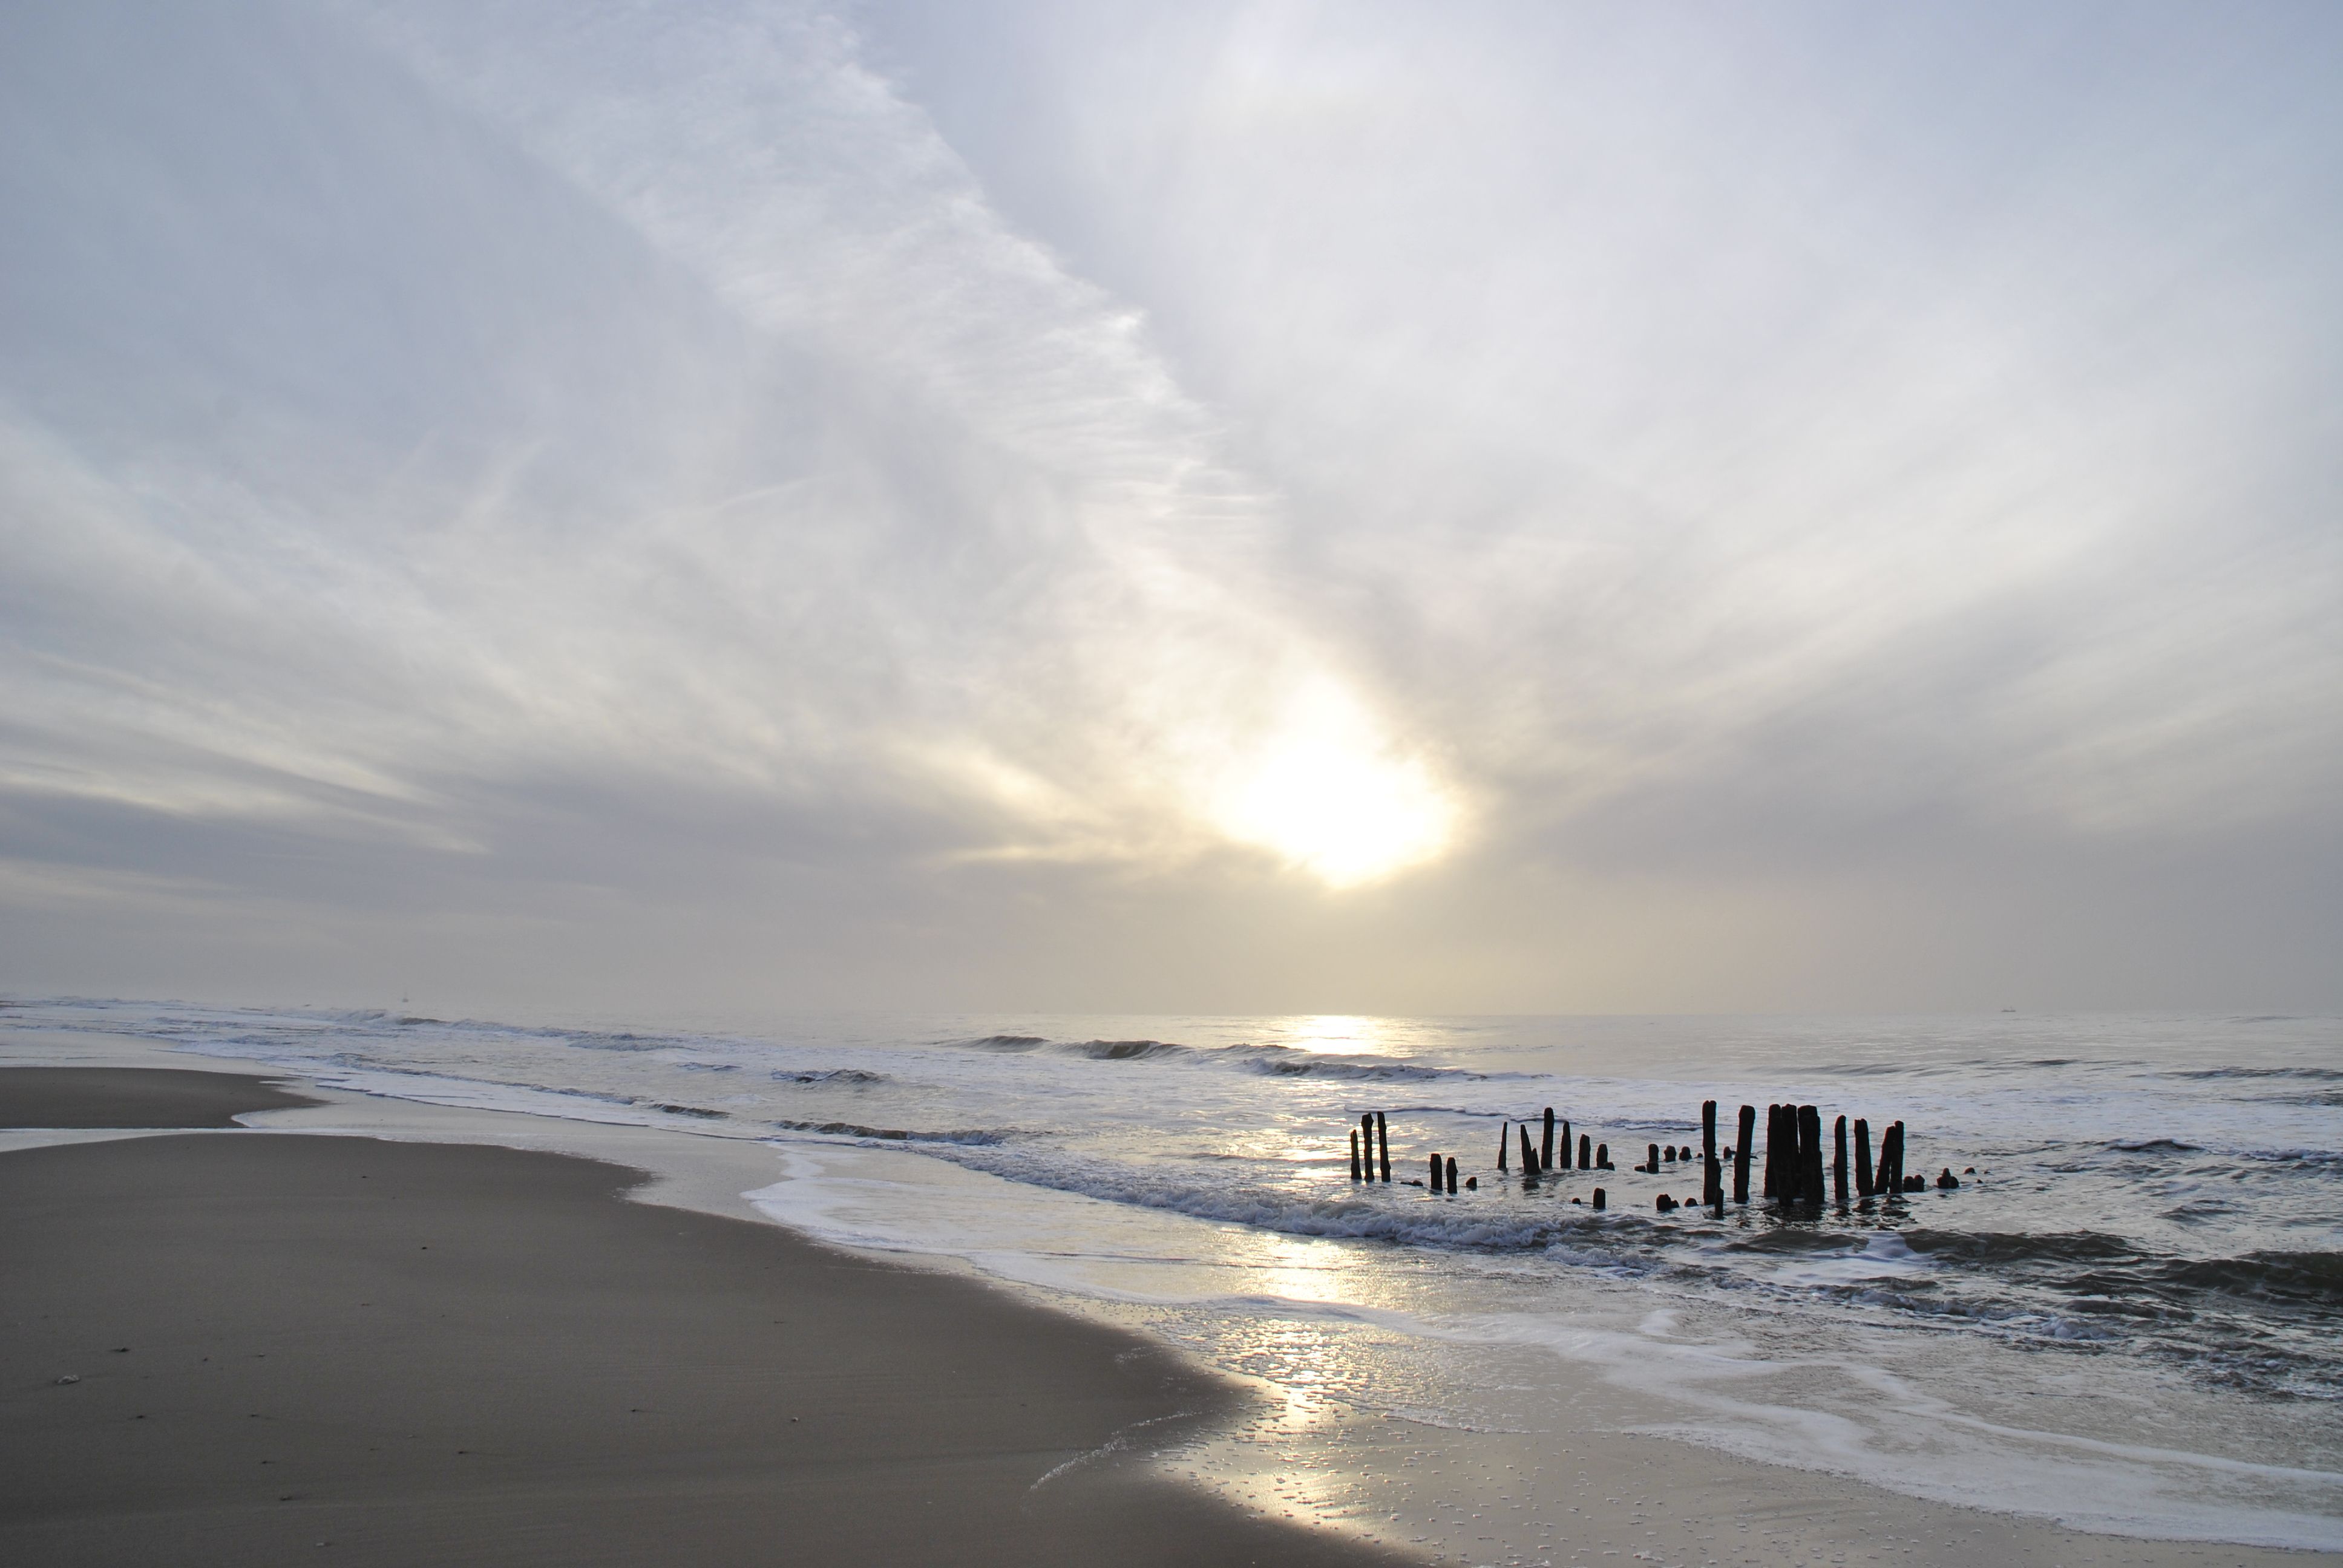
point(2125, 1317)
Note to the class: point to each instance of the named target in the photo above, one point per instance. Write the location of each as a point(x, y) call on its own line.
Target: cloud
point(1066, 481)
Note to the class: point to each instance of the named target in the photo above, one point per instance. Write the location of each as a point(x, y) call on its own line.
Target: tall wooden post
point(1505, 1136)
point(1585, 1152)
point(1810, 1148)
point(1862, 1158)
point(1529, 1154)
point(1354, 1154)
point(1383, 1142)
point(1838, 1162)
point(1773, 1179)
point(1545, 1144)
point(1451, 1176)
point(1748, 1130)
point(1712, 1177)
point(1565, 1143)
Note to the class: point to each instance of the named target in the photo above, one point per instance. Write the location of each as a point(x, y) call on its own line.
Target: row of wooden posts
point(1792, 1173)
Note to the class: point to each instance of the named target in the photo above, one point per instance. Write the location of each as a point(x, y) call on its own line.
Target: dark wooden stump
point(1586, 1158)
point(1565, 1143)
point(1545, 1144)
point(1451, 1176)
point(1505, 1136)
point(1862, 1158)
point(1383, 1142)
point(1354, 1154)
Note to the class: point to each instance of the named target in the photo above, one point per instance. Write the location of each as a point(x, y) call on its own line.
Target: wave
point(2308, 1074)
point(830, 1075)
point(1269, 1061)
point(965, 1137)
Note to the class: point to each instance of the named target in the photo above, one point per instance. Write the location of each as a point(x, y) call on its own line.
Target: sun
point(1328, 793)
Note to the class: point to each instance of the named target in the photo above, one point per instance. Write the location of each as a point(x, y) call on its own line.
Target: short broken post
point(1452, 1175)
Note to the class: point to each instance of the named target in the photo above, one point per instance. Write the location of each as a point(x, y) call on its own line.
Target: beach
point(283, 1346)
point(412, 1351)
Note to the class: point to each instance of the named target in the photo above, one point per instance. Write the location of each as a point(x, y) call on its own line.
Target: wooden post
point(1585, 1152)
point(1545, 1144)
point(1602, 1156)
point(1354, 1154)
point(1773, 1182)
point(1436, 1169)
point(1383, 1142)
point(1741, 1153)
point(1838, 1162)
point(1505, 1136)
point(1810, 1145)
point(1862, 1158)
point(1652, 1157)
point(1712, 1175)
point(1529, 1154)
point(1898, 1130)
point(1598, 1198)
point(1565, 1143)
point(1451, 1176)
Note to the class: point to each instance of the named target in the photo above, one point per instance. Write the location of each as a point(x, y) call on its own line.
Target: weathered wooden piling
point(1890, 1179)
point(1748, 1130)
point(1862, 1158)
point(1529, 1153)
point(1585, 1159)
point(1652, 1157)
point(1838, 1162)
point(1436, 1169)
point(1810, 1147)
point(1354, 1154)
point(1545, 1144)
point(1451, 1176)
point(1712, 1175)
point(1602, 1156)
point(1383, 1142)
point(1599, 1200)
point(1505, 1136)
point(1565, 1143)
point(1772, 1185)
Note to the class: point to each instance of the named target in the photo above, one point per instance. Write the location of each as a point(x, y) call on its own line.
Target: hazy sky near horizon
point(1218, 507)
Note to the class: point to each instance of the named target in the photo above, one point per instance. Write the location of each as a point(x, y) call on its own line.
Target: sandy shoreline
point(426, 1352)
point(464, 1353)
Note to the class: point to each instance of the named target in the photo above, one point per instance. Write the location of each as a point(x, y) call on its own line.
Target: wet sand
point(431, 1353)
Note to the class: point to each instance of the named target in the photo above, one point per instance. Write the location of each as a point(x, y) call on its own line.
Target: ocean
point(2125, 1317)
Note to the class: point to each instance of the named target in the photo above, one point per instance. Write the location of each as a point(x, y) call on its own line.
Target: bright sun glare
point(1327, 794)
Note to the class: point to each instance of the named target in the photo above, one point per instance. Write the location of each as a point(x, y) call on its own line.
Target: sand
point(423, 1354)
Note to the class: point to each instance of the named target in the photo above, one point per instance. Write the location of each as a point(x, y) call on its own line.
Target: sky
point(671, 505)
